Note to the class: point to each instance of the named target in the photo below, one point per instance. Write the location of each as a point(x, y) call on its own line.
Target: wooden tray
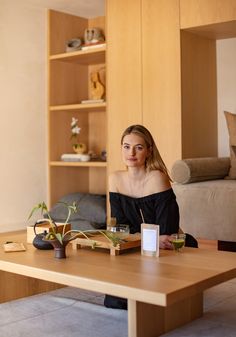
point(14, 247)
point(99, 241)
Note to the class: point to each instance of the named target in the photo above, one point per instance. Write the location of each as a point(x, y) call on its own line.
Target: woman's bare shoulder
point(158, 181)
point(115, 180)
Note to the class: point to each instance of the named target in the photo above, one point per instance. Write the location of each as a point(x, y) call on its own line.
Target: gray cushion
point(84, 225)
point(200, 169)
point(91, 209)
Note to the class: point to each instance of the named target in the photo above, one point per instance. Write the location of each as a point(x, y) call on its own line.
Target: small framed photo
point(150, 239)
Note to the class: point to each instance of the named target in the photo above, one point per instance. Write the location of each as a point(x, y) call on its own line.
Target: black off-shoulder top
point(158, 208)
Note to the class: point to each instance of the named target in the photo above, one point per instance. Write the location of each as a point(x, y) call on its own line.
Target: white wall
point(226, 83)
point(23, 152)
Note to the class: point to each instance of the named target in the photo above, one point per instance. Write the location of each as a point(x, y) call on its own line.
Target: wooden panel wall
point(63, 27)
point(124, 95)
point(204, 12)
point(161, 75)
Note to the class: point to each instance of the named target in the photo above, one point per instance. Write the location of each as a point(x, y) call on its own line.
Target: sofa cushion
point(207, 209)
point(91, 210)
point(186, 171)
point(231, 124)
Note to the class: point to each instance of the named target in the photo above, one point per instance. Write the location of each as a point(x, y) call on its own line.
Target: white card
point(150, 239)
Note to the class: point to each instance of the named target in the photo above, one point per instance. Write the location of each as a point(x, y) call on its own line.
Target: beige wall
point(23, 111)
point(226, 83)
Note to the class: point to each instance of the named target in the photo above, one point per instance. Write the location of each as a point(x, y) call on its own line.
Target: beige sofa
point(207, 201)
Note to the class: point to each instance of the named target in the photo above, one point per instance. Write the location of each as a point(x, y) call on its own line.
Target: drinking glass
point(178, 241)
point(121, 231)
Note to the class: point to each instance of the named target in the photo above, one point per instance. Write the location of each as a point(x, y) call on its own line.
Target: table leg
point(148, 320)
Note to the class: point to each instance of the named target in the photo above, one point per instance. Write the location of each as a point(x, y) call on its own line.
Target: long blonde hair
point(154, 160)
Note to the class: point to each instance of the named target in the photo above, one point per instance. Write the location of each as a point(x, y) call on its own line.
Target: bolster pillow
point(187, 171)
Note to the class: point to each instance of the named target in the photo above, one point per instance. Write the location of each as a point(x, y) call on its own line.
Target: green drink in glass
point(178, 241)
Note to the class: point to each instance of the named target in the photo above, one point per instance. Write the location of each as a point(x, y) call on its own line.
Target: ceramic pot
point(59, 249)
point(80, 148)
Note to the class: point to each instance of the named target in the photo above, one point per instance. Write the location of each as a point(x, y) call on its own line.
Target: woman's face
point(134, 150)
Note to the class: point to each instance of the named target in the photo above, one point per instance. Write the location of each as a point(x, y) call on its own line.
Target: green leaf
point(59, 237)
point(37, 207)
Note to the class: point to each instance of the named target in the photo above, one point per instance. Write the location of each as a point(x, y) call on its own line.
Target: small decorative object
point(43, 227)
point(96, 86)
point(150, 239)
point(178, 241)
point(39, 241)
point(13, 247)
point(104, 155)
point(75, 157)
point(93, 35)
point(85, 157)
point(73, 45)
point(79, 148)
point(59, 240)
point(75, 130)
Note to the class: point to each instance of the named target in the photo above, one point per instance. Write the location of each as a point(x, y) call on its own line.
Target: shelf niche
point(199, 88)
point(69, 78)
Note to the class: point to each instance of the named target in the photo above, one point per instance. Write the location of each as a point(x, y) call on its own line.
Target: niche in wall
point(199, 88)
point(226, 89)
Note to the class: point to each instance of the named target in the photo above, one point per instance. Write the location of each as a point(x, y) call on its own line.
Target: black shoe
point(115, 302)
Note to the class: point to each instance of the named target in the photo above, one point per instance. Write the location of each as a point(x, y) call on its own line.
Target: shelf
point(69, 84)
point(89, 106)
point(86, 57)
point(79, 164)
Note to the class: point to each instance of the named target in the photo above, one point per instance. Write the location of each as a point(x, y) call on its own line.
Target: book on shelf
point(93, 45)
point(75, 157)
point(88, 101)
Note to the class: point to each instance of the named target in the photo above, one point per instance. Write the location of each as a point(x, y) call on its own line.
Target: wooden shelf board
point(88, 106)
point(93, 56)
point(79, 164)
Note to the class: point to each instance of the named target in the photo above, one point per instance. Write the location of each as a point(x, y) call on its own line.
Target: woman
point(143, 188)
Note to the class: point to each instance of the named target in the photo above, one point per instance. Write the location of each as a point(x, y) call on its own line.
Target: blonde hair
point(154, 160)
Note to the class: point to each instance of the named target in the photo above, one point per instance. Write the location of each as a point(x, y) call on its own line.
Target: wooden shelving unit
point(91, 56)
point(90, 106)
point(79, 164)
point(69, 84)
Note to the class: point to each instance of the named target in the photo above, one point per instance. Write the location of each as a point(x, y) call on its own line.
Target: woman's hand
point(165, 242)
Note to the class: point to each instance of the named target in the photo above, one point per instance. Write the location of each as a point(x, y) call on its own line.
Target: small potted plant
point(59, 240)
point(75, 131)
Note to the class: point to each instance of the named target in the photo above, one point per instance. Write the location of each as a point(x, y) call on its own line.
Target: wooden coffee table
point(163, 293)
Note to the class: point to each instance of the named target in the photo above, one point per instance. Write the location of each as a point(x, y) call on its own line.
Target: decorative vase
point(79, 148)
point(59, 249)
